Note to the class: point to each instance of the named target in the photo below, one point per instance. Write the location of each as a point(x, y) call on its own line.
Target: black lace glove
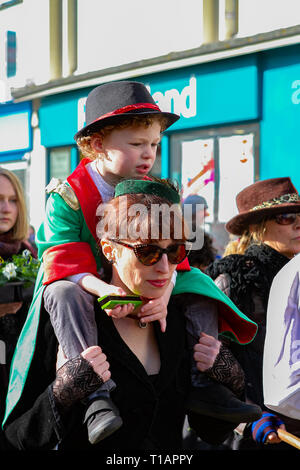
point(228, 371)
point(75, 380)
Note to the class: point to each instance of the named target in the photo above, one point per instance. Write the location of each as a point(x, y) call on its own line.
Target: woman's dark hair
point(142, 217)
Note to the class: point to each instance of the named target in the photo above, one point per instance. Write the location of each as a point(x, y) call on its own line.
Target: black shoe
point(102, 419)
point(219, 402)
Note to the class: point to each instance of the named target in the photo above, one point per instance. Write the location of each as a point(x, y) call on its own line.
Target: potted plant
point(17, 277)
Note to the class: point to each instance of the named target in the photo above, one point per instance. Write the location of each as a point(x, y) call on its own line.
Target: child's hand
point(154, 309)
point(109, 289)
point(206, 351)
point(119, 311)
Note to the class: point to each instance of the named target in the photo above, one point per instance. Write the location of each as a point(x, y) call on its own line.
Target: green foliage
point(19, 268)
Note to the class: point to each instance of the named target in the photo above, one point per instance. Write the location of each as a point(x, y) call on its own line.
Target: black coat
point(250, 277)
point(153, 412)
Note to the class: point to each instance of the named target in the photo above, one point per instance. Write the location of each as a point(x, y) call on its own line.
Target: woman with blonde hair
point(16, 224)
point(13, 240)
point(268, 227)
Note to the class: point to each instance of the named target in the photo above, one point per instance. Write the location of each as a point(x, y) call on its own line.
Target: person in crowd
point(268, 227)
point(151, 367)
point(13, 225)
point(31, 237)
point(120, 140)
point(281, 366)
point(204, 256)
point(13, 234)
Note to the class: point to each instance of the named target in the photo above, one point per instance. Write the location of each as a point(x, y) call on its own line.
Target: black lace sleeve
point(228, 371)
point(75, 380)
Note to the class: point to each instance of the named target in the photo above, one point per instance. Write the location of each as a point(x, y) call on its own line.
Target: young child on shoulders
point(120, 140)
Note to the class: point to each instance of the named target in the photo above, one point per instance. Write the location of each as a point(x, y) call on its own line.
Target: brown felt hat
point(263, 199)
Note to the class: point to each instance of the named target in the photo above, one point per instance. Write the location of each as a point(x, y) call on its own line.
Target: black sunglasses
point(150, 254)
point(286, 219)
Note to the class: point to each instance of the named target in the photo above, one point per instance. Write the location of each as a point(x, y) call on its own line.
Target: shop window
point(198, 171)
point(61, 162)
point(156, 169)
point(216, 164)
point(236, 171)
point(20, 169)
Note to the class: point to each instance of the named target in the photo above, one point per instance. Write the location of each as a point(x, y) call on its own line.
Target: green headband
point(147, 187)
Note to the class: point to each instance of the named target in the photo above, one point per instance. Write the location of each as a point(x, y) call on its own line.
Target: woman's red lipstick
point(158, 282)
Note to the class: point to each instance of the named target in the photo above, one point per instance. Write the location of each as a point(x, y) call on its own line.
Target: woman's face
point(8, 205)
point(283, 238)
point(146, 281)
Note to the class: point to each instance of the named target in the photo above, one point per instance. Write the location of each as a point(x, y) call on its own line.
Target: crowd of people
point(130, 332)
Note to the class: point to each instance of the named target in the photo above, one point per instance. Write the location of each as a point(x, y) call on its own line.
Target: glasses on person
point(286, 219)
point(151, 254)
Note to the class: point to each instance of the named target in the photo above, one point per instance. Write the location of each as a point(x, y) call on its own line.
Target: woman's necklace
point(140, 323)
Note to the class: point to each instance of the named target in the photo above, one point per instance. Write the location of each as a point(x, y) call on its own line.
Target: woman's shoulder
point(231, 265)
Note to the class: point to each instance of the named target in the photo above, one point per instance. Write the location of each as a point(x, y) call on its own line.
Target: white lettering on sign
point(296, 93)
point(184, 103)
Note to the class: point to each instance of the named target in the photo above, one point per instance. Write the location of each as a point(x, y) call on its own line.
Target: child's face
point(129, 152)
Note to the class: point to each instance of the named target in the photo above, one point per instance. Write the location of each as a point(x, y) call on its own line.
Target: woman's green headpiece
point(162, 190)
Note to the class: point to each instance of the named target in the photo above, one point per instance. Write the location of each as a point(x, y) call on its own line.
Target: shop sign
point(296, 93)
point(183, 103)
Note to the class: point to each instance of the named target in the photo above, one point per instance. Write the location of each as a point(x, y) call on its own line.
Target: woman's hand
point(80, 376)
point(206, 351)
point(155, 310)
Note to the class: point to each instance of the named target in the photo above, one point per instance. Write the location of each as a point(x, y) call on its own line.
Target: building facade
point(239, 106)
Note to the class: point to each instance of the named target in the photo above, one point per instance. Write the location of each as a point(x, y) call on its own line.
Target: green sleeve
point(62, 225)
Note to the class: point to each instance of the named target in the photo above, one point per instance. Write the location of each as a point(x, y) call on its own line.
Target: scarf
point(9, 247)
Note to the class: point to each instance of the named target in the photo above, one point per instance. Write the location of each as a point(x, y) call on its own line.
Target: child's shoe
point(102, 419)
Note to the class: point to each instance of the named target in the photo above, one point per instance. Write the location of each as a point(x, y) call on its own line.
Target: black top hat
point(116, 101)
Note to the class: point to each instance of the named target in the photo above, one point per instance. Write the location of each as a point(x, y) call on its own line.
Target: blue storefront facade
point(16, 137)
point(238, 123)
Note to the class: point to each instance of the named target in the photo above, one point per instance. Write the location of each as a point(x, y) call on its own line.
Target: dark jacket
point(247, 280)
point(11, 324)
point(153, 411)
